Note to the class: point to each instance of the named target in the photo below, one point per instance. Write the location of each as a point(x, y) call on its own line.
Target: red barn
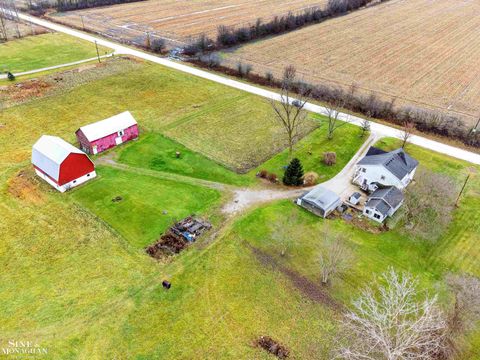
point(100, 136)
point(60, 164)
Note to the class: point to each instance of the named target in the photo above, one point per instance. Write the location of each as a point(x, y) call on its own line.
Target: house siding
point(106, 142)
point(374, 173)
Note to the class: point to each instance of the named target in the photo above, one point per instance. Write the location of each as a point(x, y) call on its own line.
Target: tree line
point(232, 36)
point(69, 5)
point(436, 122)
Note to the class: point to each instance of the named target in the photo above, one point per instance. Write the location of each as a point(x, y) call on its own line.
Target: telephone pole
point(98, 54)
point(461, 191)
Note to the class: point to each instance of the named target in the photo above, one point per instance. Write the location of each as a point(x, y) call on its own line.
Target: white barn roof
point(49, 152)
point(108, 126)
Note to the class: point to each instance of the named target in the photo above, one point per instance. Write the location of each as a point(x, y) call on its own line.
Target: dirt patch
point(27, 90)
point(272, 346)
point(24, 186)
point(307, 287)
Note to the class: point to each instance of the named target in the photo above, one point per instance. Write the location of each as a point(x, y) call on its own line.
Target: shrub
point(158, 45)
point(272, 177)
point(310, 178)
point(244, 70)
point(263, 174)
point(269, 77)
point(10, 76)
point(294, 173)
point(211, 60)
point(330, 158)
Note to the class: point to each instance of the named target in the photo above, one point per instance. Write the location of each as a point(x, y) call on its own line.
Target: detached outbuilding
point(320, 201)
point(383, 203)
point(60, 164)
point(103, 135)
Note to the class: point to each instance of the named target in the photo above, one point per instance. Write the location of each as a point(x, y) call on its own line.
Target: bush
point(272, 177)
point(269, 77)
point(263, 174)
point(294, 173)
point(330, 158)
point(158, 45)
point(68, 5)
point(10, 76)
point(244, 70)
point(310, 178)
point(211, 60)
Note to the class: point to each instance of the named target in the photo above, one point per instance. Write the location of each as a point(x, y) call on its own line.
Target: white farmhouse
point(380, 169)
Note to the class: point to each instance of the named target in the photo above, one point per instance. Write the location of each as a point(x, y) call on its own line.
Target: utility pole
point(83, 23)
point(463, 189)
point(98, 54)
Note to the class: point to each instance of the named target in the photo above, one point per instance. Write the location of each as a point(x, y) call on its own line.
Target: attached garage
point(103, 135)
point(60, 164)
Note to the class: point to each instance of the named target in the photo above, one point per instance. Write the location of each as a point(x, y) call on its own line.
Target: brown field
point(179, 20)
point(424, 52)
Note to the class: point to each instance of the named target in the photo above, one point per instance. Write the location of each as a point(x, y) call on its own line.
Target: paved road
point(4, 76)
point(378, 129)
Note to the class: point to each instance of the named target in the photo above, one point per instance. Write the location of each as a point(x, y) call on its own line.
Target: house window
point(367, 211)
point(88, 175)
point(382, 177)
point(74, 181)
point(364, 170)
point(121, 133)
point(376, 216)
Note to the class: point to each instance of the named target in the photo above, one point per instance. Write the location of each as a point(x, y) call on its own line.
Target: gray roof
point(356, 195)
point(321, 197)
point(398, 162)
point(385, 199)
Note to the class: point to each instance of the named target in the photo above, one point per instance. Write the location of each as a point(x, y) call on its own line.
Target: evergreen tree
point(10, 76)
point(294, 173)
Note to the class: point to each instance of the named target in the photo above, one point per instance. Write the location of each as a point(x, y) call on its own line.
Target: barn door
point(118, 140)
point(94, 149)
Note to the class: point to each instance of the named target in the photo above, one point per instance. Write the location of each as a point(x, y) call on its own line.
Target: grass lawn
point(157, 152)
point(139, 216)
point(39, 51)
point(231, 127)
point(310, 149)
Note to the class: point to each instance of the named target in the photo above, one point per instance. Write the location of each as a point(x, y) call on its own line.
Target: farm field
point(179, 20)
point(230, 127)
point(75, 277)
point(418, 52)
point(39, 51)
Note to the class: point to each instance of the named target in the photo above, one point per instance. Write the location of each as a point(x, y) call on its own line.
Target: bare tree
point(335, 257)
point(407, 132)
point(282, 235)
point(365, 127)
point(430, 200)
point(333, 113)
point(290, 112)
point(388, 322)
point(466, 309)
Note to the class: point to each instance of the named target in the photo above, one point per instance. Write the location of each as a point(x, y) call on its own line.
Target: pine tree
point(294, 173)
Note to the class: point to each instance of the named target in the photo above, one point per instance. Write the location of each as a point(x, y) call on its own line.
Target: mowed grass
point(283, 225)
point(139, 217)
point(40, 51)
point(157, 152)
point(346, 142)
point(231, 127)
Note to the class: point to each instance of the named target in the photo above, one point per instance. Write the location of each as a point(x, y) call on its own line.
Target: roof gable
point(390, 196)
point(108, 126)
point(49, 152)
point(398, 162)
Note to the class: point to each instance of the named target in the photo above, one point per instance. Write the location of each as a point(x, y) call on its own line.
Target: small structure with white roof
point(61, 164)
point(103, 135)
point(320, 201)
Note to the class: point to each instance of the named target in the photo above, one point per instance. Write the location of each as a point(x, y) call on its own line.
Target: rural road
point(378, 129)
